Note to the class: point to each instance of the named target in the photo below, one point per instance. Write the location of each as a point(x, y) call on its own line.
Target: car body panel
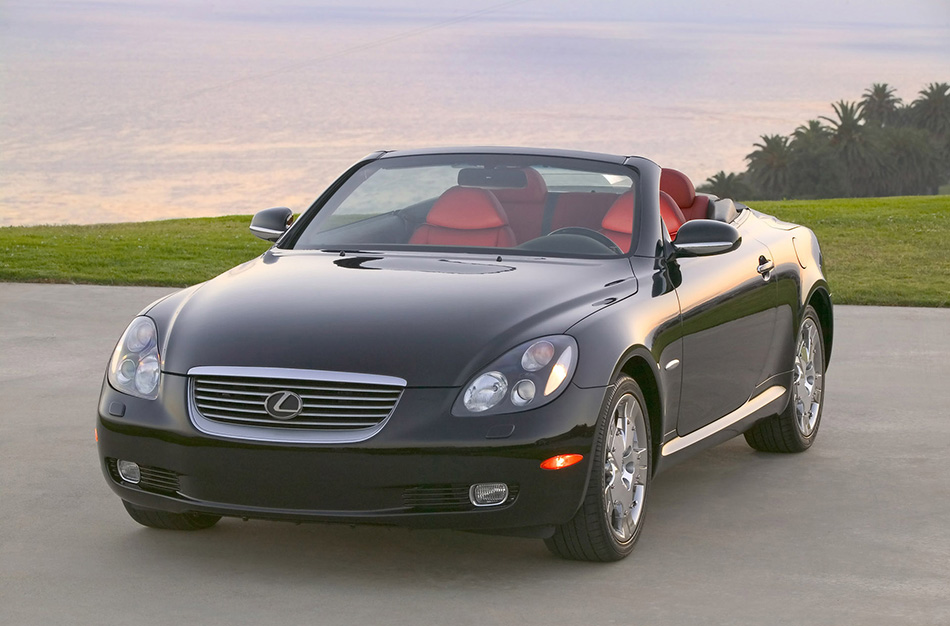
point(276, 305)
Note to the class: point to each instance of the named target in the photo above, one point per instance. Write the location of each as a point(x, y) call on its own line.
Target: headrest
point(467, 208)
point(619, 217)
point(668, 207)
point(679, 186)
point(671, 214)
point(534, 191)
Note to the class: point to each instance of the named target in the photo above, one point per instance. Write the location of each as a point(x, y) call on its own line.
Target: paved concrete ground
point(855, 531)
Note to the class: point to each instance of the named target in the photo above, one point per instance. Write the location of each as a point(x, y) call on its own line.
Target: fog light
point(128, 471)
point(488, 494)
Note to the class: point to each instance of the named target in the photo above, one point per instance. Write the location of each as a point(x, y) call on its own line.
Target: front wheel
point(610, 519)
point(170, 521)
point(795, 429)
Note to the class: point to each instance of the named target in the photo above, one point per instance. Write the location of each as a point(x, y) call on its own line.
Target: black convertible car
point(492, 339)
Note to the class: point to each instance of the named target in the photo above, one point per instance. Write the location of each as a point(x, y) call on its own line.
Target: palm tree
point(931, 113)
point(769, 166)
point(815, 172)
point(931, 110)
point(729, 185)
point(813, 134)
point(848, 124)
point(912, 160)
point(879, 106)
point(855, 147)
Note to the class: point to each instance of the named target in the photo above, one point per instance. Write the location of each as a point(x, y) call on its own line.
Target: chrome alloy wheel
point(807, 377)
point(625, 468)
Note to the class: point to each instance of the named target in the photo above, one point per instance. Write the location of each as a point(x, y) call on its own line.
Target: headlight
point(526, 377)
point(135, 367)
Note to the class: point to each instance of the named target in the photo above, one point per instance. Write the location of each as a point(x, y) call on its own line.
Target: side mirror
point(705, 237)
point(270, 224)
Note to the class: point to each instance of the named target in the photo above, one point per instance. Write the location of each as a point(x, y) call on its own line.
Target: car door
point(728, 306)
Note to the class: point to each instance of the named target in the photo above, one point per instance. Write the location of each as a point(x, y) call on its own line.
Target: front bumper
point(415, 472)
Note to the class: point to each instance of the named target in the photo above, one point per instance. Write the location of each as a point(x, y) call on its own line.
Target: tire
point(170, 521)
point(795, 429)
point(610, 519)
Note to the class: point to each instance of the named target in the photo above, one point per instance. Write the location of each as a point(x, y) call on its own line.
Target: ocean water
point(115, 112)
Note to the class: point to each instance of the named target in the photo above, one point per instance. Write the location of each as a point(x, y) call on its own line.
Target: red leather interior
point(671, 214)
point(465, 216)
point(618, 222)
point(581, 208)
point(681, 189)
point(525, 206)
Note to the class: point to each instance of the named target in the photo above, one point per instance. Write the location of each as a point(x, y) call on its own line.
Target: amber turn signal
point(561, 461)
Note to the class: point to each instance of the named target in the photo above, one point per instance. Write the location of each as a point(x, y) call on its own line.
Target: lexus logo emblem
point(283, 405)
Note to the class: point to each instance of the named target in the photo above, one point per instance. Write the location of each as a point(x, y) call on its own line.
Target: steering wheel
point(600, 238)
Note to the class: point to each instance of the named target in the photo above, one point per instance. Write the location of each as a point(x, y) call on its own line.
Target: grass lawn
point(885, 251)
point(174, 253)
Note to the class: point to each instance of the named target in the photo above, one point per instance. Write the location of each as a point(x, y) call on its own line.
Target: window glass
point(472, 202)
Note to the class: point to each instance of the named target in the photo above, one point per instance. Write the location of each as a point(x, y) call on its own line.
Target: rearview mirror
point(270, 224)
point(704, 237)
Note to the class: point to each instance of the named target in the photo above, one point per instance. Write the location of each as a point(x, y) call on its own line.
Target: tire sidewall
point(595, 490)
point(806, 442)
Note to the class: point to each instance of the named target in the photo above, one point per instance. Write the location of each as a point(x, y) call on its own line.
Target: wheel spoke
point(639, 466)
point(626, 468)
point(808, 342)
point(807, 377)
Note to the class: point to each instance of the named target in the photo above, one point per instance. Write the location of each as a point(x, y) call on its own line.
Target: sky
point(131, 109)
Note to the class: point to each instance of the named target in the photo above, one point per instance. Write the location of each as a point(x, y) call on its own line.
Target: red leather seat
point(465, 216)
point(581, 208)
point(618, 222)
point(672, 216)
point(525, 206)
point(681, 189)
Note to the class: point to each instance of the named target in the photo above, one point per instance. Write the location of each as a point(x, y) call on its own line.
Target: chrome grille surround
point(338, 407)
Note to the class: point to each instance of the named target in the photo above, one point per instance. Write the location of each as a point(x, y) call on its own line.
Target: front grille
point(327, 405)
point(444, 498)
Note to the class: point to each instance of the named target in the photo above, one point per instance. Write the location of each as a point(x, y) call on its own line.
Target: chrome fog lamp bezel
point(502, 488)
point(129, 471)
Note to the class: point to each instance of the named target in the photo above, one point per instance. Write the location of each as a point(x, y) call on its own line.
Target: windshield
point(479, 203)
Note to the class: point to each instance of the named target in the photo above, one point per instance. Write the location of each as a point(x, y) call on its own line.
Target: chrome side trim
point(750, 407)
point(264, 434)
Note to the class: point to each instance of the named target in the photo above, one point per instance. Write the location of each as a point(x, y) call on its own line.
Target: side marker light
point(561, 461)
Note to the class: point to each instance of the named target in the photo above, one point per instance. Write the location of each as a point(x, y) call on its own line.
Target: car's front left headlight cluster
point(525, 378)
point(135, 367)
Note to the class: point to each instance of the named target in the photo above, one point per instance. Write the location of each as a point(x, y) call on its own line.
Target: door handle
point(765, 267)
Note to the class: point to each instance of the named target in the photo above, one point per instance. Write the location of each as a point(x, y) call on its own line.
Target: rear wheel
point(170, 521)
point(609, 521)
point(795, 429)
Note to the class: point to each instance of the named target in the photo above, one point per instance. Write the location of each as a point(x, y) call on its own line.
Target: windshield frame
point(350, 180)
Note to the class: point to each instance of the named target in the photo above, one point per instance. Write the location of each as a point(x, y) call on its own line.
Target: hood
point(430, 320)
